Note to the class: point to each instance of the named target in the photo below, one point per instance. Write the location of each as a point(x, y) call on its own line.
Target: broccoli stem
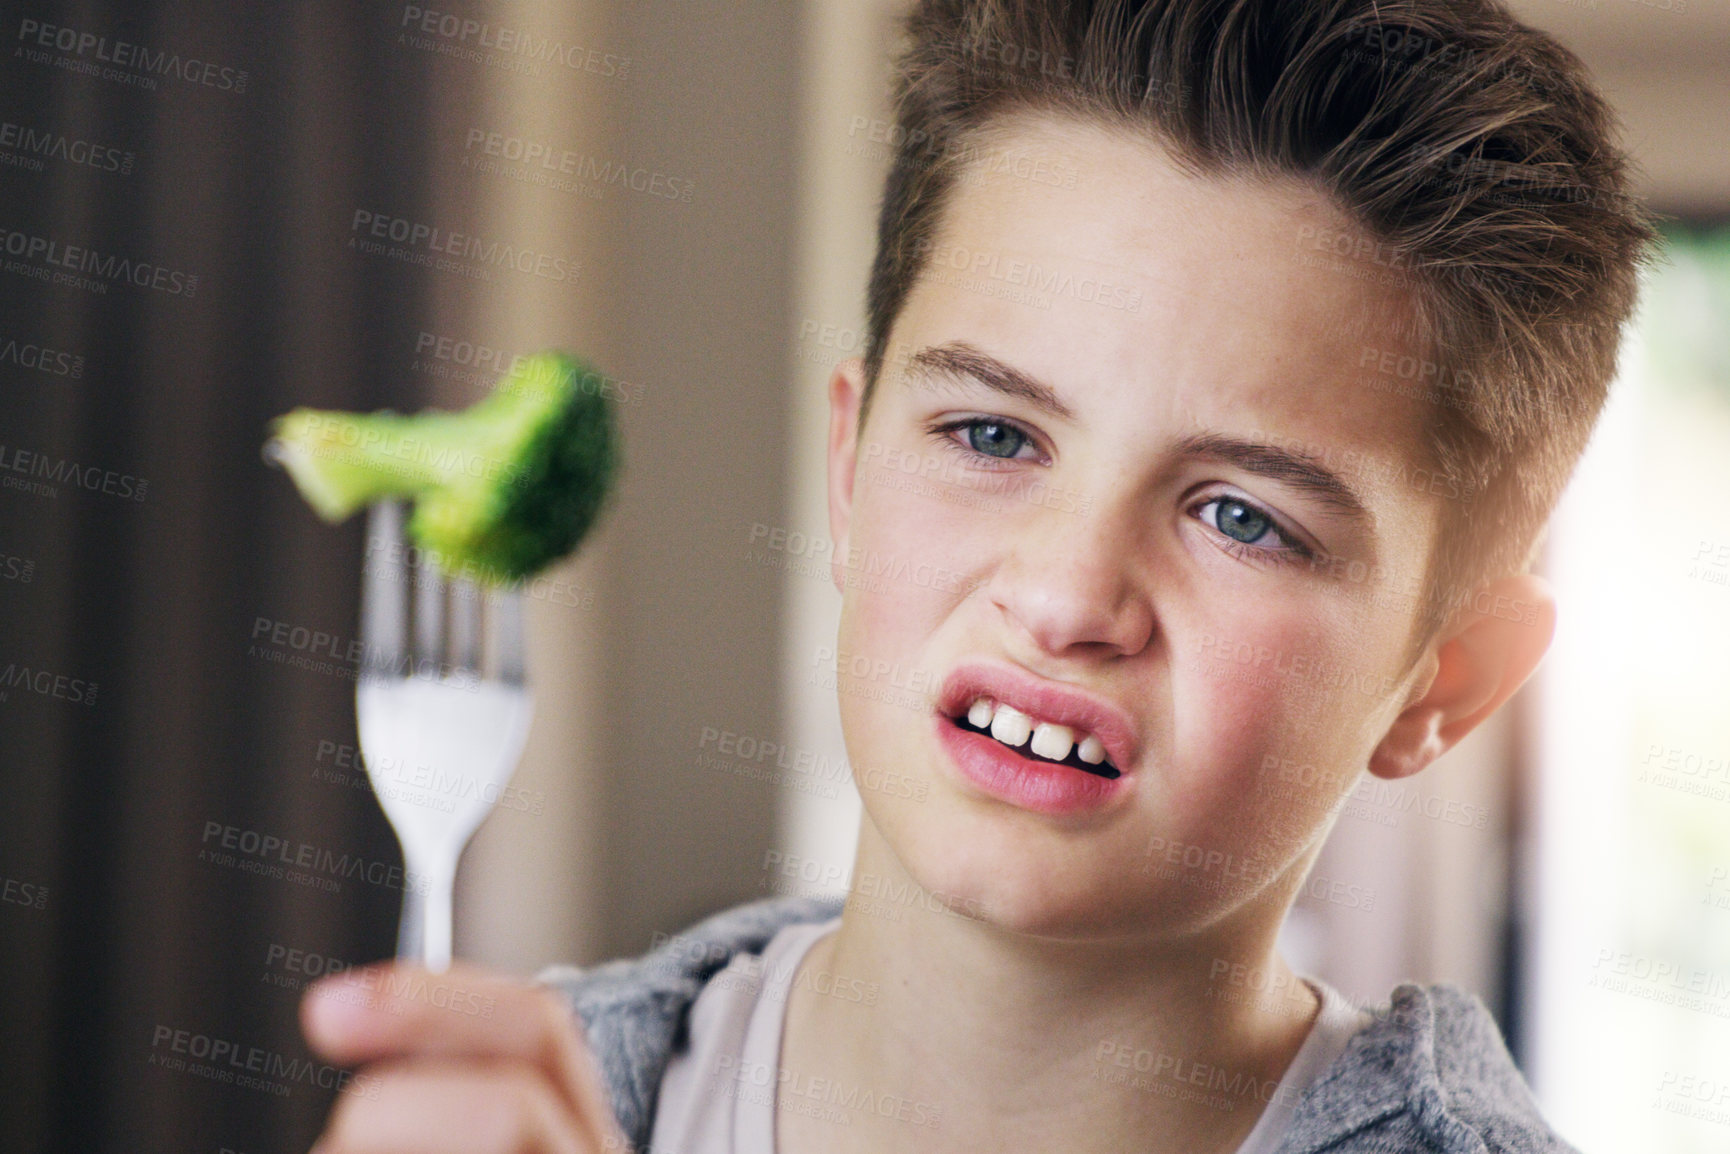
point(506, 486)
point(344, 461)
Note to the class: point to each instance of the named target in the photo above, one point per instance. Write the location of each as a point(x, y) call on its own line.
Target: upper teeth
point(1013, 727)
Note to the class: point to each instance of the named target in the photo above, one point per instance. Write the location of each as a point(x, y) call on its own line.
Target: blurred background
point(707, 173)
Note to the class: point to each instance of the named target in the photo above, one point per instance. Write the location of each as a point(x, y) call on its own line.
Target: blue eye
point(994, 439)
point(1241, 522)
point(1249, 529)
point(988, 437)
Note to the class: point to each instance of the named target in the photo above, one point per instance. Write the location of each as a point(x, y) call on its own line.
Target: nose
point(1072, 584)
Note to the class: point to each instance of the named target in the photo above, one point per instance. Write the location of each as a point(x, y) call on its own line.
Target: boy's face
point(1181, 499)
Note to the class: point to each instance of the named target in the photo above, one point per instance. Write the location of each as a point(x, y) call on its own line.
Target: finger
point(435, 1108)
point(396, 1010)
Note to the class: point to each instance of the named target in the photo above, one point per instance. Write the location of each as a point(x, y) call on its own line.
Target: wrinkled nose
point(1072, 583)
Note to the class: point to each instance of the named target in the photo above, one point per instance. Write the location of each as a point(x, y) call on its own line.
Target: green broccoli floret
point(501, 490)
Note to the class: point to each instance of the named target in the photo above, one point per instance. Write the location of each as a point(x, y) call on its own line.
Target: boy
point(1154, 414)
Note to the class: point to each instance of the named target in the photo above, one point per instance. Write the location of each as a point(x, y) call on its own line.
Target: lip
point(1042, 786)
point(1043, 701)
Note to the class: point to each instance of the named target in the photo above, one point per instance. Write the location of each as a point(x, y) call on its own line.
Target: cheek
point(887, 610)
point(921, 538)
point(898, 589)
point(1250, 700)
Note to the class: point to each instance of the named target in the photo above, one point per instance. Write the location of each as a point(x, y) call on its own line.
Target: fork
point(443, 708)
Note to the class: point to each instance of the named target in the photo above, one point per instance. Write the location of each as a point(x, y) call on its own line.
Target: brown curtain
point(147, 552)
point(146, 912)
point(232, 144)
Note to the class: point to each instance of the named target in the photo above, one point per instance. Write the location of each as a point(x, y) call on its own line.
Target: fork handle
point(424, 935)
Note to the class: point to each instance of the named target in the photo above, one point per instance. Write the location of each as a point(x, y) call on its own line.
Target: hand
point(463, 1061)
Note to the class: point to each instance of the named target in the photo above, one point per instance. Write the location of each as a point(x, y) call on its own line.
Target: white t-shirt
point(718, 1094)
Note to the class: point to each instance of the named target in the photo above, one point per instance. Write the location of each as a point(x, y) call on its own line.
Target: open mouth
point(1036, 740)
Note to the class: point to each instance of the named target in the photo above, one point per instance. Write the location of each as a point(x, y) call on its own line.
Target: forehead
point(1089, 258)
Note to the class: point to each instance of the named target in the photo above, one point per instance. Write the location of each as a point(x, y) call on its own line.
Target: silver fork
point(443, 707)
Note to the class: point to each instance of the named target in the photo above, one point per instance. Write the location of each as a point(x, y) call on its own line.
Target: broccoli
point(503, 488)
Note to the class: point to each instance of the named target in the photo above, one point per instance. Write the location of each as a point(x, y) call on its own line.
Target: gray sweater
point(1430, 1073)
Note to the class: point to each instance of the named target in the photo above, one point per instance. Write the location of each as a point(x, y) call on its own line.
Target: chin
point(1007, 885)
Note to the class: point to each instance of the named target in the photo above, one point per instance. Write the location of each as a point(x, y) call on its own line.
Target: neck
point(1034, 1042)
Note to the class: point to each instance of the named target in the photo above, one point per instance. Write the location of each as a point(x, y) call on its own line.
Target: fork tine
point(429, 616)
point(505, 616)
point(383, 603)
point(465, 625)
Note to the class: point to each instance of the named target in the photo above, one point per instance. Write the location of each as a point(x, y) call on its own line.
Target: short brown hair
point(1468, 144)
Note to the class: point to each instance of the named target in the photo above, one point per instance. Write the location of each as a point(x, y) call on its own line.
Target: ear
point(1485, 656)
point(846, 392)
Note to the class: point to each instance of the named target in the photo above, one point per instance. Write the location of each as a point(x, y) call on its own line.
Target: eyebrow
point(938, 365)
point(933, 367)
point(1298, 470)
